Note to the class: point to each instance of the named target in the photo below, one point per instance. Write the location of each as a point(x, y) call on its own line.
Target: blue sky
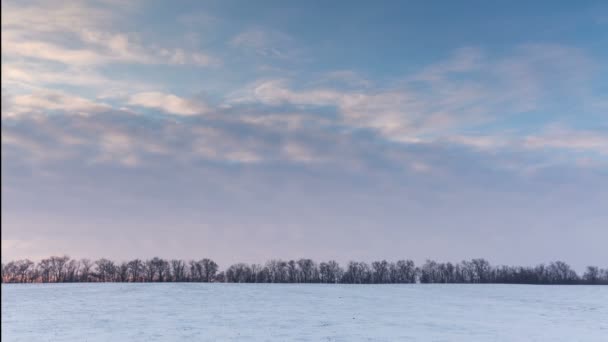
point(243, 130)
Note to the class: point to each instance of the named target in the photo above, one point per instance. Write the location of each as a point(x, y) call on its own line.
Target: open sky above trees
point(247, 131)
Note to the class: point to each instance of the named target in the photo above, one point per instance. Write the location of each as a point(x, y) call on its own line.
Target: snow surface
point(298, 312)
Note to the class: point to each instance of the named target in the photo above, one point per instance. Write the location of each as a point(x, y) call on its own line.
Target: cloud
point(102, 48)
point(267, 43)
point(82, 34)
point(551, 138)
point(48, 101)
point(467, 90)
point(48, 51)
point(481, 142)
point(26, 76)
point(392, 113)
point(567, 139)
point(347, 78)
point(100, 138)
point(69, 16)
point(118, 137)
point(273, 120)
point(294, 146)
point(181, 57)
point(168, 103)
point(300, 153)
point(463, 60)
point(31, 149)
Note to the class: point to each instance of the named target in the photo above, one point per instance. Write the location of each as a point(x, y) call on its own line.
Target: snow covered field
point(260, 312)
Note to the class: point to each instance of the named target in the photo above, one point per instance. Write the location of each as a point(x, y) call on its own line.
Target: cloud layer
point(233, 130)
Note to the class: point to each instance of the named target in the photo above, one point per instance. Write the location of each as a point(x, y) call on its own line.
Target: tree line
point(66, 270)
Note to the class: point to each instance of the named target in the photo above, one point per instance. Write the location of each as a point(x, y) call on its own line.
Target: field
point(261, 312)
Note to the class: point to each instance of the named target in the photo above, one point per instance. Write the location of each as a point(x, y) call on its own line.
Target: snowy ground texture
point(296, 312)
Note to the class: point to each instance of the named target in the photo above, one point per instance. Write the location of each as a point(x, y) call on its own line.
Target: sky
point(346, 130)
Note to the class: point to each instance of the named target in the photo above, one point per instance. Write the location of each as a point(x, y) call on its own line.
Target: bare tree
point(45, 270)
point(85, 270)
point(482, 272)
point(292, 272)
point(122, 272)
point(209, 269)
point(149, 271)
point(259, 274)
point(106, 270)
point(308, 270)
point(380, 273)
point(357, 273)
point(592, 275)
point(330, 272)
point(238, 273)
point(10, 272)
point(560, 273)
point(178, 270)
point(196, 271)
point(203, 270)
point(20, 271)
point(64, 269)
point(277, 271)
point(57, 265)
point(71, 271)
point(135, 270)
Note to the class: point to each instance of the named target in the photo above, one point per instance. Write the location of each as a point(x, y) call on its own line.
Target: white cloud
point(168, 103)
point(552, 138)
point(119, 147)
point(466, 90)
point(67, 16)
point(560, 138)
point(101, 48)
point(481, 142)
point(48, 51)
point(382, 111)
point(46, 101)
point(27, 76)
point(83, 34)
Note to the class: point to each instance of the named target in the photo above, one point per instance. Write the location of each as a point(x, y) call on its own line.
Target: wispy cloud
point(568, 139)
point(267, 43)
point(112, 110)
point(40, 77)
point(465, 91)
point(83, 34)
point(168, 103)
point(49, 101)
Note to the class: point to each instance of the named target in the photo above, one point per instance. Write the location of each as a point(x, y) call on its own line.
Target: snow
point(303, 312)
